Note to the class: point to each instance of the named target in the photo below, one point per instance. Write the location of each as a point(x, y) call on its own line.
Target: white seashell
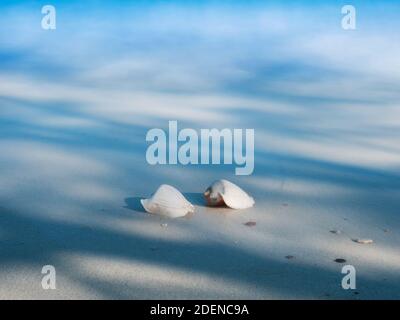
point(167, 201)
point(224, 192)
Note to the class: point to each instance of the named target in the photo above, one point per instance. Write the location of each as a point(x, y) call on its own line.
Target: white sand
point(78, 209)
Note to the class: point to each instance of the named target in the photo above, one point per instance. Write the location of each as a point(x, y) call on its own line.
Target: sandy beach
point(73, 120)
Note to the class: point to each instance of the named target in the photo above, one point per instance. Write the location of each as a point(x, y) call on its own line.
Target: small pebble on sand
point(364, 241)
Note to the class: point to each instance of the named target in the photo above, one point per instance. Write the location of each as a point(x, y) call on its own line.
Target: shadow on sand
point(133, 203)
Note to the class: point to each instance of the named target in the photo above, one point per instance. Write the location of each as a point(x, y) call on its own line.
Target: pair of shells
point(168, 201)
